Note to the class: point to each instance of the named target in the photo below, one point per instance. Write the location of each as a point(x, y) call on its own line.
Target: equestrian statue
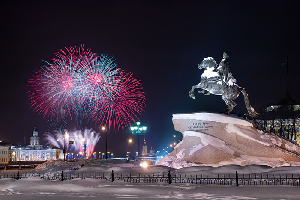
point(218, 80)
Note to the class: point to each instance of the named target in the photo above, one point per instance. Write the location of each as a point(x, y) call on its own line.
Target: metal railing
point(216, 179)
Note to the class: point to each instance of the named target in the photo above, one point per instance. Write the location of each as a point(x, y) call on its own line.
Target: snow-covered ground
point(37, 188)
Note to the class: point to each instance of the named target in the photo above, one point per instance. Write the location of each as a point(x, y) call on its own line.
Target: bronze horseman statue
point(218, 80)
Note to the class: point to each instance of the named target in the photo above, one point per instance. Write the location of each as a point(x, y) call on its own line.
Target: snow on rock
point(180, 154)
point(207, 140)
point(213, 117)
point(195, 148)
point(247, 134)
point(216, 139)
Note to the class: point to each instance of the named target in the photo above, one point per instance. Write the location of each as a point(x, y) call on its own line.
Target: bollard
point(18, 175)
point(236, 178)
point(112, 176)
point(169, 177)
point(62, 175)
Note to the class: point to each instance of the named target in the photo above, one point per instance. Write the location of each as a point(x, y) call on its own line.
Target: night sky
point(161, 43)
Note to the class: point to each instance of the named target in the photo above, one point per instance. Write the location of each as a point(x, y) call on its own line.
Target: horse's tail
point(249, 107)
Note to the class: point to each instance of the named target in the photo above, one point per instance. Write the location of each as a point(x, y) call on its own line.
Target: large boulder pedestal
point(218, 139)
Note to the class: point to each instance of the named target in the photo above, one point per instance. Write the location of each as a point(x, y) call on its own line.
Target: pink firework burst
point(121, 102)
point(58, 88)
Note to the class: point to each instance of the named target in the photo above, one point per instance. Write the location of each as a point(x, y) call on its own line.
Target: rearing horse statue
point(218, 80)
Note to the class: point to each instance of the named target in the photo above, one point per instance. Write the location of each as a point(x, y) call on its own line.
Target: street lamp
point(129, 142)
point(138, 130)
point(104, 130)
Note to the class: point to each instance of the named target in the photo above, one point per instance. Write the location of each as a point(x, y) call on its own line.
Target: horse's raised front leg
point(191, 92)
point(205, 92)
point(202, 91)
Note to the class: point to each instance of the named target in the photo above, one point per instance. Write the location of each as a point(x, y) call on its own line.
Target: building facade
point(34, 151)
point(4, 153)
point(282, 118)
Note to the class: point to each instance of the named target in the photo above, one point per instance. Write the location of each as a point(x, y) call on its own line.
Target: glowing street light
point(104, 130)
point(129, 142)
point(138, 130)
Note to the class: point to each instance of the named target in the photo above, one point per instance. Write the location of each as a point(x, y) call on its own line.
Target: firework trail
point(86, 137)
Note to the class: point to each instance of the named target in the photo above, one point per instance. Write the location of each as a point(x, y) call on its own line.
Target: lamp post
point(129, 142)
point(138, 130)
point(104, 130)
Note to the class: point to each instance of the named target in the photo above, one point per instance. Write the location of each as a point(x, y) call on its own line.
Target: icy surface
point(35, 188)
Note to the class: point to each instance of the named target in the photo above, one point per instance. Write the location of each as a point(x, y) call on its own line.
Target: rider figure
point(222, 83)
point(224, 71)
point(228, 81)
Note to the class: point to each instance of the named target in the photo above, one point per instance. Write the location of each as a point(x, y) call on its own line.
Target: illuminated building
point(150, 158)
point(282, 118)
point(4, 152)
point(34, 151)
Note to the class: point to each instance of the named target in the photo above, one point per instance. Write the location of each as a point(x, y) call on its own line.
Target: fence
point(225, 179)
point(217, 179)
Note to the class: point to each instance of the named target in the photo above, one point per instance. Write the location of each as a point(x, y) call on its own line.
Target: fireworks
point(57, 89)
point(121, 102)
point(81, 138)
point(79, 85)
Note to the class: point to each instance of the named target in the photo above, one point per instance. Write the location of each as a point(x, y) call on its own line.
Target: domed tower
point(35, 140)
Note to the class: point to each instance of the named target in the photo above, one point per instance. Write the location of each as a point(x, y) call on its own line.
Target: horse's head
point(207, 62)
